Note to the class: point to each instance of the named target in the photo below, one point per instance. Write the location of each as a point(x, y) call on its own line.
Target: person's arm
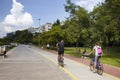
point(92, 51)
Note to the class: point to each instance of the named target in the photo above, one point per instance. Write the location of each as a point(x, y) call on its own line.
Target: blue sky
point(46, 10)
point(20, 14)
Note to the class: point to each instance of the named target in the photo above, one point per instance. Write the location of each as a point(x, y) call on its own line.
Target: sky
point(21, 14)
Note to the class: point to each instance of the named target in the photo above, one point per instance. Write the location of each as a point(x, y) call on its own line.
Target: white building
point(33, 30)
point(44, 28)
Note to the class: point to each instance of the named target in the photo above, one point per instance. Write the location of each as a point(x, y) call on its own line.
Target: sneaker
point(94, 71)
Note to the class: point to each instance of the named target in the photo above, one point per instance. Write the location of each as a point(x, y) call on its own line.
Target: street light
point(39, 21)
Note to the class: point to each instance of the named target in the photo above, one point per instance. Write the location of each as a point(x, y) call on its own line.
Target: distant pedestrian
point(48, 45)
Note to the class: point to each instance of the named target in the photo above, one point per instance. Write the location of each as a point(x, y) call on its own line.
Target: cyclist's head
point(62, 40)
point(97, 43)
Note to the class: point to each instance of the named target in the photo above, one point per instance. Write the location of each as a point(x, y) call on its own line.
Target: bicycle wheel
point(100, 69)
point(91, 65)
point(61, 63)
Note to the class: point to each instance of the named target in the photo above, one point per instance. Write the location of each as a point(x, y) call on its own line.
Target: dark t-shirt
point(61, 46)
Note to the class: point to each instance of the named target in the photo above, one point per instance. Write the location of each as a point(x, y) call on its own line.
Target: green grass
point(71, 51)
point(76, 52)
point(9, 48)
point(110, 56)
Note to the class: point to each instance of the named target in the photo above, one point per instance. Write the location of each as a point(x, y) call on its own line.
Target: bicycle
point(99, 66)
point(4, 54)
point(61, 61)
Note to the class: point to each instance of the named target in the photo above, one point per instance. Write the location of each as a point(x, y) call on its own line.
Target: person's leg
point(98, 58)
point(95, 62)
point(62, 53)
point(58, 57)
point(4, 54)
point(59, 54)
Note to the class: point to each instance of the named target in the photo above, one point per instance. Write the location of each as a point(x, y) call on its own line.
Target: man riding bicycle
point(98, 53)
point(60, 47)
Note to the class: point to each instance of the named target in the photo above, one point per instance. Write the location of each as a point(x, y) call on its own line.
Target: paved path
point(112, 71)
point(77, 70)
point(24, 63)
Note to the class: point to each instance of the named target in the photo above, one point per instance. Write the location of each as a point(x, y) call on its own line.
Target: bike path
point(74, 69)
point(24, 63)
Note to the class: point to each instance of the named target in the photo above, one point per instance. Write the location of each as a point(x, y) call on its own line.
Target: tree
point(23, 37)
point(77, 23)
point(1, 41)
point(52, 36)
point(70, 7)
point(84, 29)
point(57, 22)
point(113, 7)
point(106, 23)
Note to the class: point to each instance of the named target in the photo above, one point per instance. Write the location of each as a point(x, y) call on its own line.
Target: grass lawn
point(72, 51)
point(110, 56)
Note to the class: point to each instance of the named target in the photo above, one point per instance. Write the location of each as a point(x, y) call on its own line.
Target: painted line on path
point(116, 78)
point(65, 70)
point(72, 75)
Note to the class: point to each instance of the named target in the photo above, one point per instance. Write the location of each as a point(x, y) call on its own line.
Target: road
point(25, 63)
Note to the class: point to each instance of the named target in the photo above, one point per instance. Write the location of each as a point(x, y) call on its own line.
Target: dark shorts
point(4, 53)
point(60, 52)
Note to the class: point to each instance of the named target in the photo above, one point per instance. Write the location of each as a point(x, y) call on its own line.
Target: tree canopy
point(81, 28)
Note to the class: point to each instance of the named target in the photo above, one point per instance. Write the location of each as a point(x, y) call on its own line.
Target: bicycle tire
point(91, 65)
point(61, 62)
point(100, 69)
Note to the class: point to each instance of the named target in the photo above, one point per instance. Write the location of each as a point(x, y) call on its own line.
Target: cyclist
point(97, 55)
point(60, 47)
point(3, 49)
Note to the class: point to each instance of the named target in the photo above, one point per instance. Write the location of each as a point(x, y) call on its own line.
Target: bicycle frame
point(61, 61)
point(99, 66)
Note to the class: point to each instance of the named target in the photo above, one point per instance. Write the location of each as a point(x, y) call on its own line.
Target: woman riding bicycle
point(98, 52)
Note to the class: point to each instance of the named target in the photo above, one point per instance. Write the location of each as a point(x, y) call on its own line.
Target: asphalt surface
point(25, 63)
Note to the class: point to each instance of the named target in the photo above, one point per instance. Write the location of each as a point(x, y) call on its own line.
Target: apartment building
point(44, 28)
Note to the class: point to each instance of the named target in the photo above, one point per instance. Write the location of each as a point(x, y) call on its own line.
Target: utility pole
point(39, 31)
point(39, 21)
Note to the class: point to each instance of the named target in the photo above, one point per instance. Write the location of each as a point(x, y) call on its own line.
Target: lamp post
point(39, 31)
point(39, 21)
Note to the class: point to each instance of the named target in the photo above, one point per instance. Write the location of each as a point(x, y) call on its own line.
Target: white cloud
point(16, 20)
point(2, 30)
point(88, 4)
